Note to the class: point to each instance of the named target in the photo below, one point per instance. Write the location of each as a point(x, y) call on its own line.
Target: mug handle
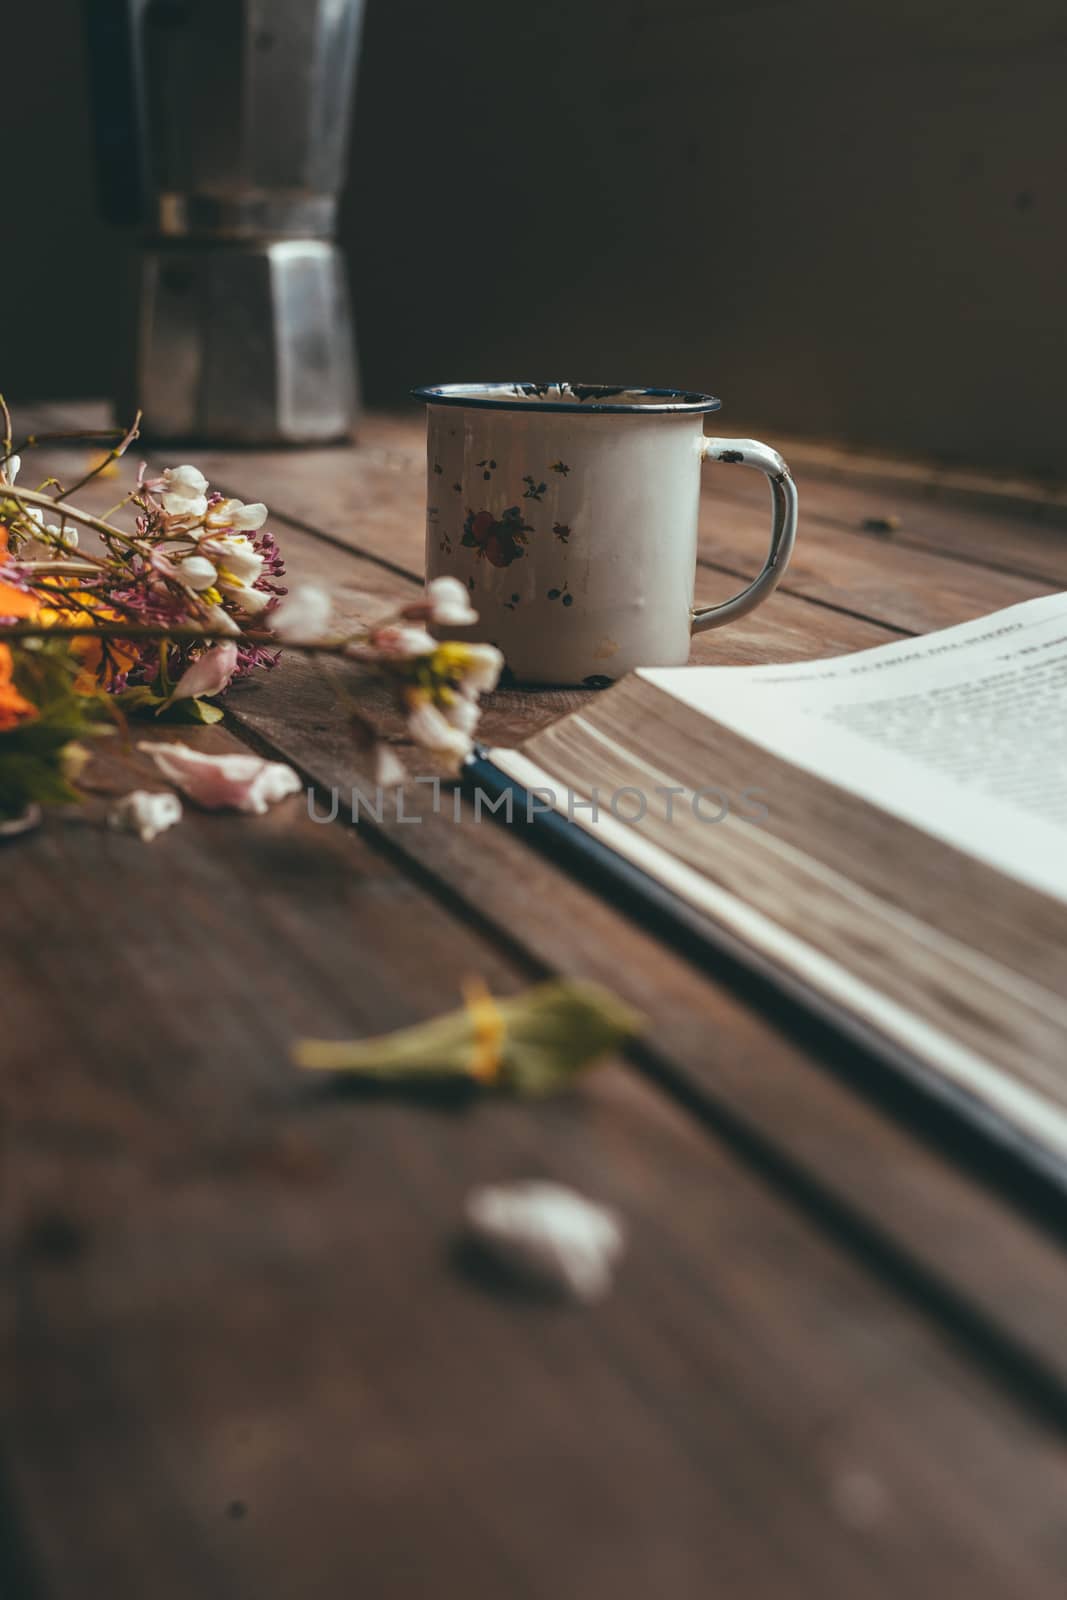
point(750, 453)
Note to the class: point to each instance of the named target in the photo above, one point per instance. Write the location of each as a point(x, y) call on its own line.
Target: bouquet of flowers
point(99, 621)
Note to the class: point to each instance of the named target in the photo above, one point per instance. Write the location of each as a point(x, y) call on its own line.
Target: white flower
point(187, 482)
point(450, 603)
point(184, 496)
point(250, 601)
point(238, 560)
point(463, 714)
point(432, 730)
point(66, 535)
point(145, 814)
point(221, 621)
point(197, 572)
point(484, 664)
point(10, 470)
point(304, 614)
point(239, 565)
point(236, 515)
point(389, 770)
point(240, 782)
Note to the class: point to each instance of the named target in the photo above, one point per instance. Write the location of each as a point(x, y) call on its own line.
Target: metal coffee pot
point(222, 129)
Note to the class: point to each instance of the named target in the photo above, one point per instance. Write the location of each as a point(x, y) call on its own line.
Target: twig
point(33, 441)
point(112, 455)
point(84, 564)
point(33, 497)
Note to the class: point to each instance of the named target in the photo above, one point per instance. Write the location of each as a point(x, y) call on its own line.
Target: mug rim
point(585, 397)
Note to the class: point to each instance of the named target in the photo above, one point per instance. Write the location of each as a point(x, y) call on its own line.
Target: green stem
point(181, 635)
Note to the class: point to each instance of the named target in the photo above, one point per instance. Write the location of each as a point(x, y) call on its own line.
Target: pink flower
point(446, 602)
point(210, 673)
point(240, 782)
point(396, 642)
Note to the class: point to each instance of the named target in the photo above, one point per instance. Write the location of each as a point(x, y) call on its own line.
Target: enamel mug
point(570, 512)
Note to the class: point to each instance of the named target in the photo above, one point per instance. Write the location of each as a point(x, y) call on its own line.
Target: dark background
point(848, 219)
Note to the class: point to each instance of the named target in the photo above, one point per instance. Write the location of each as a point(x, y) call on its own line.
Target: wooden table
point(239, 1357)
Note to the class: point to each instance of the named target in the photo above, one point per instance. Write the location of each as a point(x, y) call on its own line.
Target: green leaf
point(191, 710)
point(202, 711)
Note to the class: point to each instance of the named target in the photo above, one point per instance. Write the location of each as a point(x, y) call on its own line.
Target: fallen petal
point(237, 782)
point(548, 1237)
point(209, 674)
point(145, 814)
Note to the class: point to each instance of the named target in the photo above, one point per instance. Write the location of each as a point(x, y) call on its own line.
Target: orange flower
point(90, 652)
point(87, 650)
point(14, 707)
point(15, 603)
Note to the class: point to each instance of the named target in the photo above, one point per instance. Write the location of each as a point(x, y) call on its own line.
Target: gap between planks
point(448, 877)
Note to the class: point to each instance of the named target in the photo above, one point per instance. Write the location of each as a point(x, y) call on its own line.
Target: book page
point(962, 733)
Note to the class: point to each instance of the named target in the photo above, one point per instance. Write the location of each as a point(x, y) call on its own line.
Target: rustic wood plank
point(907, 587)
point(958, 486)
point(373, 500)
point(833, 1139)
point(895, 516)
point(773, 1092)
point(367, 585)
point(236, 1346)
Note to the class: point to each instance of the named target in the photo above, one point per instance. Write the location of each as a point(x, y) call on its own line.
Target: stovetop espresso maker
point(222, 129)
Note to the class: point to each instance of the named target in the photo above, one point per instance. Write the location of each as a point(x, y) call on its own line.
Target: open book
point(885, 830)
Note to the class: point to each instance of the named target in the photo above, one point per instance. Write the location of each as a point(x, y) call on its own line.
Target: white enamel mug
point(570, 513)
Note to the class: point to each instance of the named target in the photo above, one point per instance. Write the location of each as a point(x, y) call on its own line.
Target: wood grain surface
point(239, 1352)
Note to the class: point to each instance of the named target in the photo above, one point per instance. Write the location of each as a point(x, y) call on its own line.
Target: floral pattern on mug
point(498, 540)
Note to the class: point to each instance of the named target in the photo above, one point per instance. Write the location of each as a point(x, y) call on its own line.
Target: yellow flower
point(476, 666)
